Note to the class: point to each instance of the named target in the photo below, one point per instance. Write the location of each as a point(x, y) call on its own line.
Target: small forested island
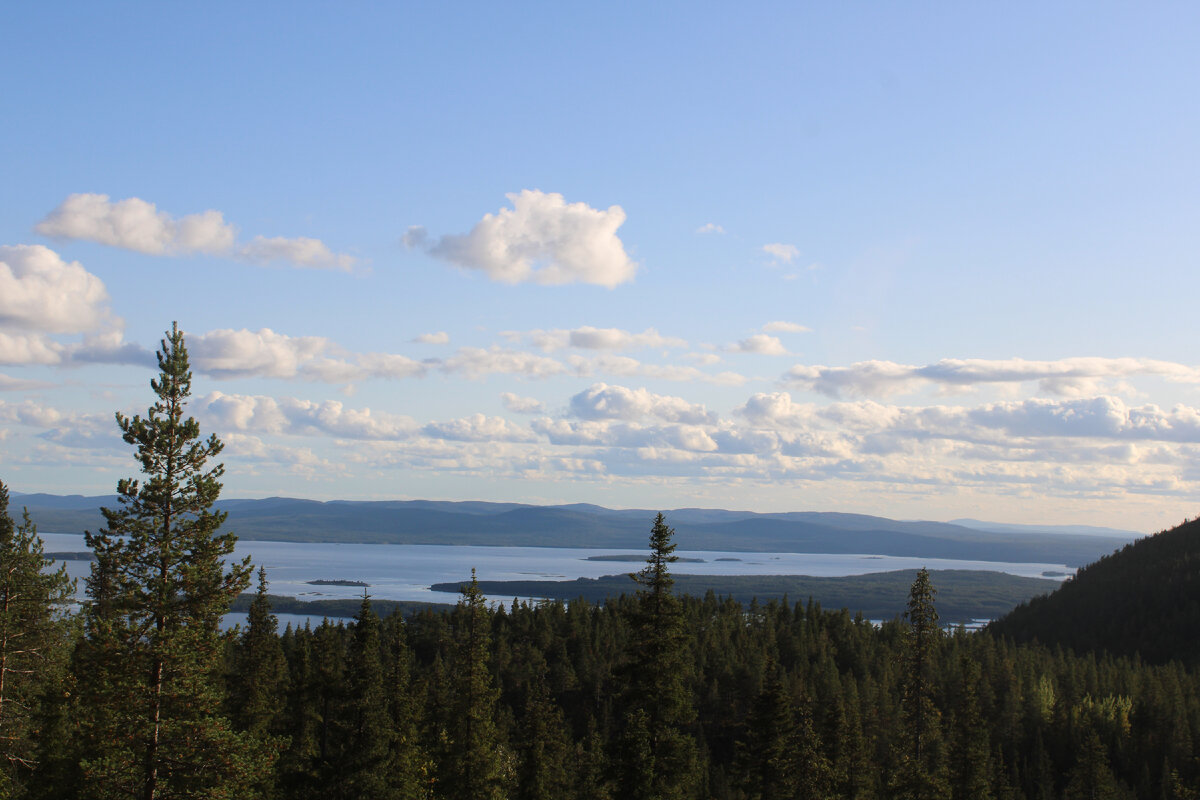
point(324, 582)
point(655, 693)
point(636, 558)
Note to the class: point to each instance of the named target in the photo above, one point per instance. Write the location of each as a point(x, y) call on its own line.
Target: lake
point(405, 571)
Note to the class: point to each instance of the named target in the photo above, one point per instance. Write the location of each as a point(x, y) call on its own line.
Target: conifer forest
point(138, 692)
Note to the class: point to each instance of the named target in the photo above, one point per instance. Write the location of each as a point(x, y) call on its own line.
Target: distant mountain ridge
point(1056, 530)
point(585, 525)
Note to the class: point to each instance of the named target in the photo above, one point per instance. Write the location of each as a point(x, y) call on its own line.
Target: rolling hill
point(1141, 600)
point(582, 525)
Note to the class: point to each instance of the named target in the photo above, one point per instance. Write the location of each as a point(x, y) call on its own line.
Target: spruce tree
point(33, 639)
point(259, 685)
point(409, 765)
point(152, 657)
point(660, 758)
point(369, 734)
point(922, 774)
point(476, 764)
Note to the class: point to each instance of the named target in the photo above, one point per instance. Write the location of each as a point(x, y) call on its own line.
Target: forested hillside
point(1142, 600)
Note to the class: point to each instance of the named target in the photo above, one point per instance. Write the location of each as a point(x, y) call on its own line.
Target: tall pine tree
point(152, 655)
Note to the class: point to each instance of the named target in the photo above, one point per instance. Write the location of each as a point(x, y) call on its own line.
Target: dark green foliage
point(655, 694)
point(660, 753)
point(149, 667)
point(369, 734)
point(1140, 601)
point(477, 764)
point(259, 692)
point(922, 771)
point(33, 642)
point(258, 687)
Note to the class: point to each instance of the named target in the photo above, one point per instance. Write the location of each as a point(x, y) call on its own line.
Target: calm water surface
point(405, 572)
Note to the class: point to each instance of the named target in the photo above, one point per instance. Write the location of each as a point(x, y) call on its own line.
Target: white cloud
point(252, 455)
point(108, 347)
point(785, 327)
point(300, 251)
point(522, 405)
point(543, 239)
point(710, 227)
point(703, 359)
point(477, 428)
point(760, 343)
point(441, 337)
point(258, 414)
point(244, 353)
point(20, 349)
point(601, 401)
point(786, 253)
point(1068, 377)
point(241, 353)
point(134, 224)
point(475, 362)
point(589, 338)
point(625, 367)
point(138, 225)
point(41, 292)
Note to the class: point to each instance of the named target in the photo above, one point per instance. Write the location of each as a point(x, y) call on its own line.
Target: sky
point(920, 260)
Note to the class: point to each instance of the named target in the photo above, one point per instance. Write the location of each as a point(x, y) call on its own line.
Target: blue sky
point(915, 260)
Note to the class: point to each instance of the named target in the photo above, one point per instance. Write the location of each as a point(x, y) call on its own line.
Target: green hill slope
point(1143, 599)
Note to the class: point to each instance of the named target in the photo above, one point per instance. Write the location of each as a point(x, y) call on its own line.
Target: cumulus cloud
point(441, 337)
point(22, 349)
point(589, 338)
point(258, 414)
point(618, 434)
point(1095, 417)
point(476, 362)
point(477, 428)
point(300, 251)
point(543, 239)
point(243, 353)
point(134, 224)
point(760, 343)
point(138, 225)
point(1069, 376)
point(254, 455)
point(710, 227)
point(41, 292)
point(626, 367)
point(108, 347)
point(522, 405)
point(785, 253)
point(785, 327)
point(601, 401)
point(228, 353)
